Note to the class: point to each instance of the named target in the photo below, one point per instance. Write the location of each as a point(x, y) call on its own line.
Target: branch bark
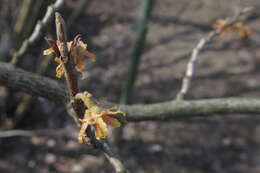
point(33, 84)
point(37, 85)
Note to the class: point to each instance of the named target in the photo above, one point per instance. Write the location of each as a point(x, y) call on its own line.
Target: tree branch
point(33, 84)
point(37, 85)
point(189, 109)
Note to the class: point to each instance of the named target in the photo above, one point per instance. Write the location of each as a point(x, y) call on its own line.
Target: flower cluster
point(239, 27)
point(94, 114)
point(98, 116)
point(77, 50)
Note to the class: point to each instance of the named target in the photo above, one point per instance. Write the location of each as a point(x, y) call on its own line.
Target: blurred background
point(228, 67)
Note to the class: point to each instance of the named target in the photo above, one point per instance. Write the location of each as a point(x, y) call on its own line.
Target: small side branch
point(199, 47)
point(41, 25)
point(191, 63)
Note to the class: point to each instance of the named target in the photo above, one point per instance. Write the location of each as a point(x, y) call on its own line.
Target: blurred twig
point(23, 16)
point(36, 33)
point(15, 133)
point(142, 27)
point(83, 4)
point(111, 50)
point(199, 47)
point(27, 18)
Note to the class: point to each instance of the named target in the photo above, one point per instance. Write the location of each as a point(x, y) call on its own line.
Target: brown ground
point(228, 67)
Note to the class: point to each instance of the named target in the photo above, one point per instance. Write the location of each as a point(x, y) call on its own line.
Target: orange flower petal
point(225, 31)
point(58, 60)
point(80, 65)
point(90, 55)
point(101, 128)
point(244, 32)
point(111, 121)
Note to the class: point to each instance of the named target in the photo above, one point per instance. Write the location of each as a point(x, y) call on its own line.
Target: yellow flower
point(96, 115)
point(239, 27)
point(77, 50)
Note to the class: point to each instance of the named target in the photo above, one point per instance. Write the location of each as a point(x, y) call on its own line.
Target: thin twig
point(16, 59)
point(111, 50)
point(199, 47)
point(23, 17)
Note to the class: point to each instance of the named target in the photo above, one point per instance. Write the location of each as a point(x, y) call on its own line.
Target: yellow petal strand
point(82, 76)
point(111, 121)
point(101, 128)
point(59, 71)
point(114, 110)
point(90, 55)
point(48, 51)
point(80, 65)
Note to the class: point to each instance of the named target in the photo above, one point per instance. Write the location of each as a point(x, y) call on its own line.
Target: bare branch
point(37, 32)
point(37, 85)
point(188, 109)
point(199, 47)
